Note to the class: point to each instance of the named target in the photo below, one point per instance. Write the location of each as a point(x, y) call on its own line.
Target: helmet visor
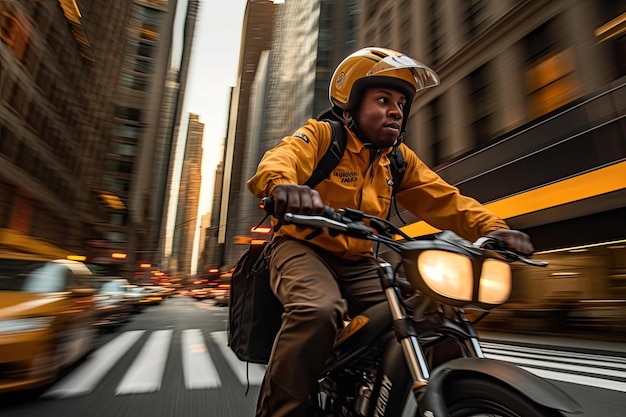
point(424, 77)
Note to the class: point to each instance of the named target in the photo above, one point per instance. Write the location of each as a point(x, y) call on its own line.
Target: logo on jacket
point(301, 136)
point(347, 177)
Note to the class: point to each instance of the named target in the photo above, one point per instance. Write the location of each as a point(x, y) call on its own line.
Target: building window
point(116, 184)
point(436, 128)
point(481, 111)
point(436, 32)
point(13, 30)
point(612, 31)
point(7, 139)
point(117, 219)
point(134, 81)
point(117, 237)
point(120, 167)
point(123, 149)
point(126, 131)
point(550, 78)
point(128, 113)
point(475, 16)
point(551, 83)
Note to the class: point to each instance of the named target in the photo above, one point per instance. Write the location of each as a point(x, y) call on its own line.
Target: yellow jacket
point(357, 184)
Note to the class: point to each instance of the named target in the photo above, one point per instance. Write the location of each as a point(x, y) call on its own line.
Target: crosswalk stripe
point(199, 370)
point(585, 358)
point(559, 372)
point(146, 372)
point(252, 372)
point(84, 379)
point(578, 379)
point(598, 368)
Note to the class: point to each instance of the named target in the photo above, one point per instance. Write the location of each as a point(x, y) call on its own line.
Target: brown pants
point(316, 294)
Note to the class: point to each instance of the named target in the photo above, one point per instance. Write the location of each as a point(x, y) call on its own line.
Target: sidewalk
point(580, 343)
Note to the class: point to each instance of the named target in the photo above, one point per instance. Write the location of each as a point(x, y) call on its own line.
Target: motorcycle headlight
point(447, 274)
point(495, 282)
point(457, 277)
point(27, 324)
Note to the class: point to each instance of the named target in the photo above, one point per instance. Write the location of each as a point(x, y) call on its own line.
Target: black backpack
point(254, 313)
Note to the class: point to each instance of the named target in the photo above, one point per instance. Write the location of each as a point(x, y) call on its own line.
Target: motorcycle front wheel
point(476, 397)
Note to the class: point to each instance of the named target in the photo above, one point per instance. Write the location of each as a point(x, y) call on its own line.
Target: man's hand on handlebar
point(297, 199)
point(514, 240)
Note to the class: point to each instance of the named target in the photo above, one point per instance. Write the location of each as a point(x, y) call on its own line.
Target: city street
point(173, 360)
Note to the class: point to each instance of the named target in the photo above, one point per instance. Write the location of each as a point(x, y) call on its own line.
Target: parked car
point(140, 298)
point(200, 293)
point(113, 302)
point(153, 295)
point(223, 299)
point(47, 316)
point(218, 291)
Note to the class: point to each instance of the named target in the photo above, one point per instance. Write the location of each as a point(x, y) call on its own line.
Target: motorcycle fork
point(406, 335)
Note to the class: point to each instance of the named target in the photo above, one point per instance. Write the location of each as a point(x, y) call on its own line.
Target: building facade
point(188, 200)
point(59, 71)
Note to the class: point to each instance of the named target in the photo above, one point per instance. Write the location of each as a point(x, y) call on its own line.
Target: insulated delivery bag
point(254, 311)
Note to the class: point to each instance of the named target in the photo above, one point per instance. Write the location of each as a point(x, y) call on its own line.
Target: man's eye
point(401, 105)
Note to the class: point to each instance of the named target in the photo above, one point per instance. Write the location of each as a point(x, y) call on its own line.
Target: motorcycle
point(420, 341)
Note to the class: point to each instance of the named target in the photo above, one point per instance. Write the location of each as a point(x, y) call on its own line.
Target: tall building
point(212, 251)
point(59, 70)
point(234, 217)
point(136, 157)
point(283, 82)
point(178, 86)
point(188, 198)
point(205, 223)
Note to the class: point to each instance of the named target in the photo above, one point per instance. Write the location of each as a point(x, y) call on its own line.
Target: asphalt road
point(172, 360)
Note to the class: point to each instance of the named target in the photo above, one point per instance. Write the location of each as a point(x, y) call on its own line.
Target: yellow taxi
point(47, 314)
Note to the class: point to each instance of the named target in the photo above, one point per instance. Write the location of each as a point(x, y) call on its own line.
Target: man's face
point(380, 115)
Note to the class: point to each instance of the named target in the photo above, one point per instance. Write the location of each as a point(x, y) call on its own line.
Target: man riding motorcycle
point(322, 279)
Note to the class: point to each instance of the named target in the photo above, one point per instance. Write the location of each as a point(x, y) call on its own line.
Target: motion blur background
point(529, 119)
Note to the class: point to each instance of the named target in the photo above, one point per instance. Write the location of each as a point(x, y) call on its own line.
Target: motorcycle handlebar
point(349, 222)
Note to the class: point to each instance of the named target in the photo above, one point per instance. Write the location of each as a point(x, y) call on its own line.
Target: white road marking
point(252, 372)
point(198, 368)
point(567, 372)
point(146, 372)
point(85, 378)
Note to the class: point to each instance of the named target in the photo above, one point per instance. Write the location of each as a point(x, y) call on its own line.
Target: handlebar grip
point(268, 205)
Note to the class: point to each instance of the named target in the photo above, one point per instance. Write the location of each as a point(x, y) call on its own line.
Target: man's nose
point(396, 111)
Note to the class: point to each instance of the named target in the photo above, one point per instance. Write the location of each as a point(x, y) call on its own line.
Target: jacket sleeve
point(293, 160)
point(426, 195)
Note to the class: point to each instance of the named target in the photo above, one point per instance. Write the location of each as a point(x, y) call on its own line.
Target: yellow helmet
point(375, 66)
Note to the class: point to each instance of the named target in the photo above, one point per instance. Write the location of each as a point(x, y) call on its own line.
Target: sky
point(212, 73)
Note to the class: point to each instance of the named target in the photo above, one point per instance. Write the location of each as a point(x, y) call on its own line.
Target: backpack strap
point(332, 156)
point(398, 166)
